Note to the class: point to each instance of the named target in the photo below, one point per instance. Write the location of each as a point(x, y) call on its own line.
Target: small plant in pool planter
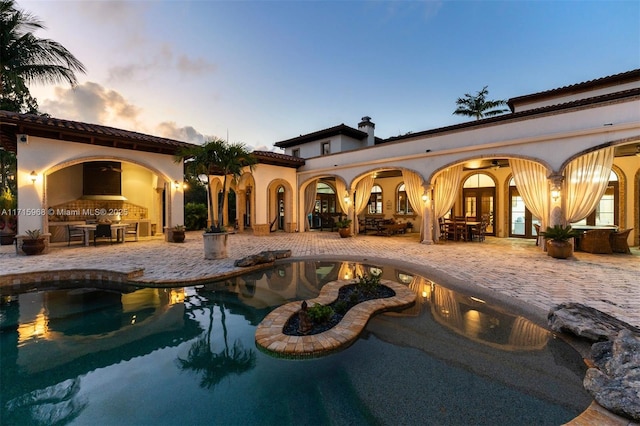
point(368, 284)
point(344, 227)
point(558, 244)
point(33, 243)
point(320, 313)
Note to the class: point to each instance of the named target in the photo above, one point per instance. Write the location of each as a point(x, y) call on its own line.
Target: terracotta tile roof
point(12, 123)
point(626, 95)
point(277, 159)
point(340, 129)
point(610, 80)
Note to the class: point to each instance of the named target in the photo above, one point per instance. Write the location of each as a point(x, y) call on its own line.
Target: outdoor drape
point(309, 201)
point(341, 191)
point(585, 180)
point(533, 186)
point(363, 192)
point(444, 195)
point(413, 186)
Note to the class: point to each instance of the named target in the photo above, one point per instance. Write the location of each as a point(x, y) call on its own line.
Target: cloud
point(92, 103)
point(163, 59)
point(169, 129)
point(197, 66)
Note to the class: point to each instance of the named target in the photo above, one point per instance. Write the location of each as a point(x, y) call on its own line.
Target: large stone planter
point(559, 249)
point(215, 245)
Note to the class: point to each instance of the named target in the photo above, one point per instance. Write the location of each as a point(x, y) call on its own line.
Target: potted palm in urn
point(33, 243)
point(228, 161)
point(558, 244)
point(344, 227)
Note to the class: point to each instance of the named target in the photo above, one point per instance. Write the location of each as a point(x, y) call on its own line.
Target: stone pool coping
point(271, 339)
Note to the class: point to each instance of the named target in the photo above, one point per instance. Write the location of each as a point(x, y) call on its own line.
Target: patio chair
point(74, 232)
point(131, 230)
point(619, 242)
point(596, 241)
point(537, 227)
point(102, 231)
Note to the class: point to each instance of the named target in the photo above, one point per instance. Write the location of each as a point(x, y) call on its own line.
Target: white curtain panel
point(341, 191)
point(445, 190)
point(413, 184)
point(363, 192)
point(309, 202)
point(533, 186)
point(585, 180)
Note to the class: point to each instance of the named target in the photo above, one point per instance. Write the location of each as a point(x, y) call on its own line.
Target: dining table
point(119, 228)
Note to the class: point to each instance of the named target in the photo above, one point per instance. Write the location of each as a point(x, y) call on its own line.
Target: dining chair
point(102, 231)
point(537, 228)
point(131, 230)
point(461, 229)
point(478, 231)
point(73, 232)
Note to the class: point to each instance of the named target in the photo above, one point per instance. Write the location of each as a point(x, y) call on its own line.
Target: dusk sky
point(265, 71)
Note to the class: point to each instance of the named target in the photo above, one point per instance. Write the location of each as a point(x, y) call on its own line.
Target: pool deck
point(505, 269)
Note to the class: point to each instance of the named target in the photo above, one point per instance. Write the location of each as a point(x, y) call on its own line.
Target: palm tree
point(477, 106)
point(217, 157)
point(28, 59)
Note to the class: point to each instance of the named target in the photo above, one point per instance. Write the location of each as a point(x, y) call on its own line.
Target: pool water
point(93, 353)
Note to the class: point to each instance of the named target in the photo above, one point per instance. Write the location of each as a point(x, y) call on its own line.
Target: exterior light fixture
point(176, 184)
point(34, 176)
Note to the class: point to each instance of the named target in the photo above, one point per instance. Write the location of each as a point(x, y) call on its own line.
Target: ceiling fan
point(110, 168)
point(494, 164)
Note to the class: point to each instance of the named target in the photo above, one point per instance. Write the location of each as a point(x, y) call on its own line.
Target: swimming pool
point(101, 354)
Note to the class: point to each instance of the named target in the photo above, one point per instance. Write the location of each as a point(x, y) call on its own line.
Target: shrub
point(320, 313)
point(368, 283)
point(195, 216)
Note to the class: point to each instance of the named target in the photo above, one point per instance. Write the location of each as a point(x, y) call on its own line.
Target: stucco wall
point(46, 156)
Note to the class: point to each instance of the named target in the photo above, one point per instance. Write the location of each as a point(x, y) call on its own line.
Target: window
point(326, 148)
point(296, 152)
point(375, 200)
point(606, 212)
point(403, 204)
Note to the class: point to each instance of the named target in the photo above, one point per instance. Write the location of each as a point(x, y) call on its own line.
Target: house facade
point(566, 155)
point(471, 169)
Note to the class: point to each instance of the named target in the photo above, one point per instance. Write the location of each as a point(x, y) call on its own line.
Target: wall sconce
point(425, 197)
point(555, 193)
point(347, 199)
point(176, 184)
point(34, 176)
point(248, 190)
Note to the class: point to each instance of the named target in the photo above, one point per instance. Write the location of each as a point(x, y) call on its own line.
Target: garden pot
point(344, 232)
point(559, 249)
point(215, 245)
point(31, 247)
point(178, 236)
point(6, 238)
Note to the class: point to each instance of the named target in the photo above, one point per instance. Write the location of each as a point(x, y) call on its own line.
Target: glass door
point(521, 221)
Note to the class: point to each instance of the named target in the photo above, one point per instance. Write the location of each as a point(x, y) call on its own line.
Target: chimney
point(366, 125)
